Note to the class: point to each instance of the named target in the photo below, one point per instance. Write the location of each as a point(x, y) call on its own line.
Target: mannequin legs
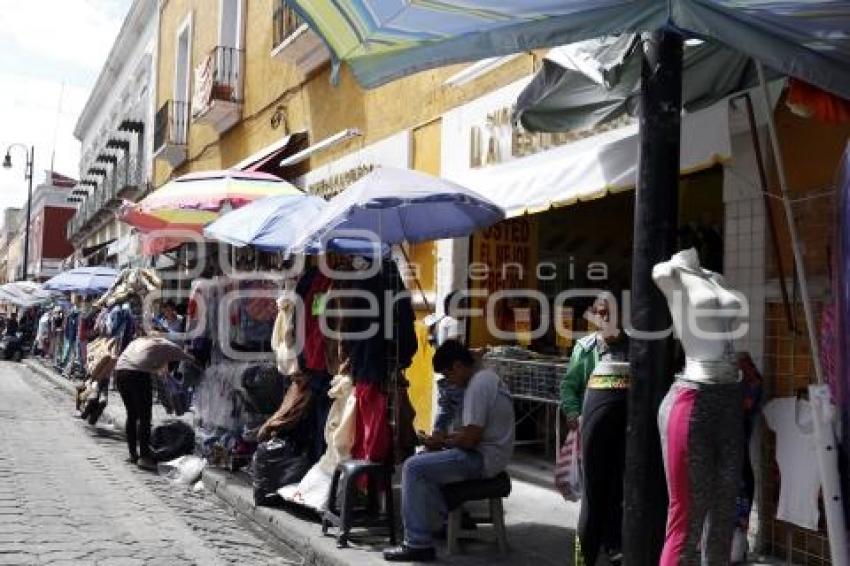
point(701, 432)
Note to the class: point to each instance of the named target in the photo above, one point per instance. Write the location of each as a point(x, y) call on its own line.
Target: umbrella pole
point(415, 278)
point(818, 394)
point(655, 226)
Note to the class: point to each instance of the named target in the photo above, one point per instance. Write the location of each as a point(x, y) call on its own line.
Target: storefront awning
point(592, 167)
point(273, 153)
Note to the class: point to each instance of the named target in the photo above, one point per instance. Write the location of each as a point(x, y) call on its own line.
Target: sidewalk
point(539, 522)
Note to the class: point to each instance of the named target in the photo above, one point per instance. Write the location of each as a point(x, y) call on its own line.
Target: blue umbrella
point(83, 280)
point(400, 205)
point(271, 223)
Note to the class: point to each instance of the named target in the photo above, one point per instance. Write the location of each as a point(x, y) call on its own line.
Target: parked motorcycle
point(14, 347)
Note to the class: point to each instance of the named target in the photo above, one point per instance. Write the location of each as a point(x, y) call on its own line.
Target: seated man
point(480, 447)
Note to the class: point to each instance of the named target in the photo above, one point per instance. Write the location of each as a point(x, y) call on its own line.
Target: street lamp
point(7, 164)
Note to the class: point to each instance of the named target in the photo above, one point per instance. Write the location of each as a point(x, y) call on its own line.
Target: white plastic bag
point(568, 467)
point(184, 470)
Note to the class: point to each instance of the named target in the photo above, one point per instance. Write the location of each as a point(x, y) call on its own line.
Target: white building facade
point(115, 129)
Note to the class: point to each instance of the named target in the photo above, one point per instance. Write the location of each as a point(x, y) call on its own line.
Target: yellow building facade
point(237, 76)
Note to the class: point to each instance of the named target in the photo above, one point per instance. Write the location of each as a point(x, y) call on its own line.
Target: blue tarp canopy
point(383, 40)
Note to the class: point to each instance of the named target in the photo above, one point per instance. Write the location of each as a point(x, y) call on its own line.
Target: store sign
point(501, 140)
point(335, 184)
point(505, 249)
point(504, 259)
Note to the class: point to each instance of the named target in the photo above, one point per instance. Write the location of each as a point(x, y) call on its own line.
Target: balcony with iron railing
point(130, 177)
point(171, 132)
point(295, 43)
point(217, 99)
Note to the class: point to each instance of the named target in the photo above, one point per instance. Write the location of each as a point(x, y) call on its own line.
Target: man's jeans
point(422, 477)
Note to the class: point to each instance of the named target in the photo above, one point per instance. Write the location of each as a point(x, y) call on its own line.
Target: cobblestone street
point(68, 497)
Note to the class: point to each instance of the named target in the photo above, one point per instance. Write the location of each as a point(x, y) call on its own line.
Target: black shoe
point(406, 553)
point(132, 460)
point(146, 463)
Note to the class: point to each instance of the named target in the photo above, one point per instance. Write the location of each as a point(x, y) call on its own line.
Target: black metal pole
point(655, 226)
point(30, 163)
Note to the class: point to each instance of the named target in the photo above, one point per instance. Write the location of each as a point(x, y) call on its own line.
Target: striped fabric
point(386, 39)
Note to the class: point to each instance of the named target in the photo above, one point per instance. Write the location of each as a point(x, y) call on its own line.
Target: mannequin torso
point(704, 312)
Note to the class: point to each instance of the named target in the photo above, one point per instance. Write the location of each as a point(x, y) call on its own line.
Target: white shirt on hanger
point(793, 422)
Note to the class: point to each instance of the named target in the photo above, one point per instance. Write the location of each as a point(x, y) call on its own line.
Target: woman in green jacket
point(601, 404)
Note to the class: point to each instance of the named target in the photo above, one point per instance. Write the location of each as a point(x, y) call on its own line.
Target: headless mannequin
point(704, 311)
point(701, 418)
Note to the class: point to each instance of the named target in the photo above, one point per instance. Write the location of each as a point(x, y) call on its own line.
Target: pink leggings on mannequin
point(701, 432)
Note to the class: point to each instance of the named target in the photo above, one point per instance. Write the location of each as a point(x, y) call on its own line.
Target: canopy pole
point(819, 395)
point(792, 226)
point(655, 228)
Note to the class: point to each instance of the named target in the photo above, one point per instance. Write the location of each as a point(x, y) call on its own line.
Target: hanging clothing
point(314, 488)
point(829, 348)
point(283, 335)
point(313, 352)
point(253, 316)
point(394, 334)
point(292, 410)
point(337, 355)
point(809, 101)
point(201, 315)
point(701, 441)
point(372, 437)
point(339, 426)
point(796, 454)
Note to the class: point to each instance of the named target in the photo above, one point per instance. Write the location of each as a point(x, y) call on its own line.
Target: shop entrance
point(564, 256)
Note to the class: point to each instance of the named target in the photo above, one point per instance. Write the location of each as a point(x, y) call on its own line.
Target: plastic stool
point(493, 490)
point(341, 513)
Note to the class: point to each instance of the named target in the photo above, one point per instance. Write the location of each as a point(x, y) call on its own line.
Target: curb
point(110, 415)
point(302, 536)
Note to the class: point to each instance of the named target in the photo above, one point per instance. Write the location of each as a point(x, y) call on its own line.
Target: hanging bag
point(568, 467)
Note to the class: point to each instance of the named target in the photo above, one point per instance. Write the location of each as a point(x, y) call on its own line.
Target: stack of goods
point(129, 283)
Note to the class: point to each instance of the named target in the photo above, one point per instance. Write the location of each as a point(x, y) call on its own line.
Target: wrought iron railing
point(285, 22)
point(227, 74)
point(129, 173)
point(171, 124)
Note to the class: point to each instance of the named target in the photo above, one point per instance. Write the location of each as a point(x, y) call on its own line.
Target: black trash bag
point(172, 440)
point(97, 411)
point(264, 388)
point(277, 463)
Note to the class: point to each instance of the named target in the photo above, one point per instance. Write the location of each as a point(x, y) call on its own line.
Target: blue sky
point(43, 44)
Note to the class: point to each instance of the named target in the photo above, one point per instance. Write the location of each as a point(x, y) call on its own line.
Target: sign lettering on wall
point(504, 257)
point(501, 140)
point(335, 184)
